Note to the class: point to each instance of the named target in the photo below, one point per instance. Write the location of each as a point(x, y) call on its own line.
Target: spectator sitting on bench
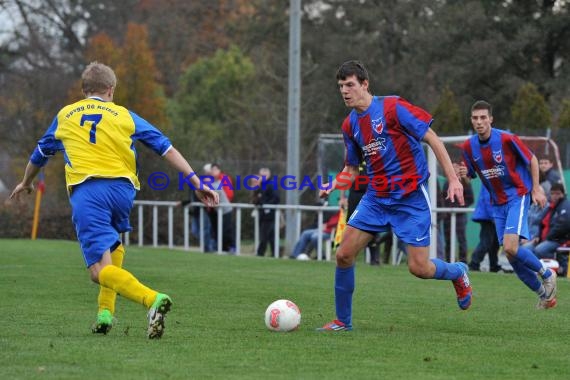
point(309, 237)
point(555, 227)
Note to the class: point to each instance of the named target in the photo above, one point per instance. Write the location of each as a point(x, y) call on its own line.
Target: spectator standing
point(223, 185)
point(460, 218)
point(196, 227)
point(266, 194)
point(488, 241)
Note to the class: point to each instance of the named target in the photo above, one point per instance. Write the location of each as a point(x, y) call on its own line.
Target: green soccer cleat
point(104, 322)
point(156, 315)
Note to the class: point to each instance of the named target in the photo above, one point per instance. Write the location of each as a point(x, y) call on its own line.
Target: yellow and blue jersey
point(97, 140)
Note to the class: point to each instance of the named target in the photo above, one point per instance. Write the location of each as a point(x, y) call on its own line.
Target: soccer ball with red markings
point(551, 264)
point(283, 316)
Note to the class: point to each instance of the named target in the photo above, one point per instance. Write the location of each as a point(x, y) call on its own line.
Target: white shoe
point(549, 299)
point(156, 315)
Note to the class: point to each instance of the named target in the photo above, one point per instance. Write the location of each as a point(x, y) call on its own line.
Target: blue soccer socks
point(343, 289)
point(525, 256)
point(457, 273)
point(526, 275)
point(447, 271)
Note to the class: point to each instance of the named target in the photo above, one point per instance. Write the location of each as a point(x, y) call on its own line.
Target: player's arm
point(343, 201)
point(455, 190)
point(47, 146)
point(26, 184)
point(353, 158)
point(208, 196)
point(154, 139)
point(537, 193)
point(342, 181)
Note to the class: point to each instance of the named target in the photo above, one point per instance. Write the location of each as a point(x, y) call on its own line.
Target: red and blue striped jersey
point(502, 164)
point(387, 137)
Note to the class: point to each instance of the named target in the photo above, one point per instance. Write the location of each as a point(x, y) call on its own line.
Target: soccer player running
point(386, 132)
point(502, 162)
point(97, 139)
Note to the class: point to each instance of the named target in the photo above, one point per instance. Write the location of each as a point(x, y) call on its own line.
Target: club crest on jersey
point(378, 124)
point(498, 156)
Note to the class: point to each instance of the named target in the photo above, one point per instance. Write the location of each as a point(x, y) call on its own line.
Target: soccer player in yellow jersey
point(97, 139)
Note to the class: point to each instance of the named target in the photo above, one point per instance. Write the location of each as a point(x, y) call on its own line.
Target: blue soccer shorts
point(100, 210)
point(511, 217)
point(409, 217)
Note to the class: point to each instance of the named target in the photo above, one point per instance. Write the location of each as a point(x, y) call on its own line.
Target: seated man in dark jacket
point(555, 227)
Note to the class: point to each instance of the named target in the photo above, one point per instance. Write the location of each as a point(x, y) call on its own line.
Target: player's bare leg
point(419, 263)
point(353, 241)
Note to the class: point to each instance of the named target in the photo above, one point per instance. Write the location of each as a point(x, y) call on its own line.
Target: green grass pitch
point(404, 327)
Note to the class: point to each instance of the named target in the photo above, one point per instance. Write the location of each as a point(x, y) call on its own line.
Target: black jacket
point(266, 195)
point(559, 230)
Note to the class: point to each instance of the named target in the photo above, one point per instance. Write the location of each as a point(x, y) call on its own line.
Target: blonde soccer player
point(97, 139)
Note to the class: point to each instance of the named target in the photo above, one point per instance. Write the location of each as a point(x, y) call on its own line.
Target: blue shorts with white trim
point(100, 211)
point(409, 217)
point(511, 217)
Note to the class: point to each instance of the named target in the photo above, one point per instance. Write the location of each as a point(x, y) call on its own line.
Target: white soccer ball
point(303, 257)
point(551, 264)
point(283, 316)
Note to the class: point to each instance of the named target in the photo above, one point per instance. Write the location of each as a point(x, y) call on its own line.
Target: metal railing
point(238, 209)
point(453, 211)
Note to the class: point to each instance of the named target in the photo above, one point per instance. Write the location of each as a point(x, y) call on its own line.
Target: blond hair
point(97, 78)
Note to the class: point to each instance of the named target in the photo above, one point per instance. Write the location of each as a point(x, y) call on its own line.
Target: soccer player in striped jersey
point(510, 171)
point(387, 133)
point(97, 139)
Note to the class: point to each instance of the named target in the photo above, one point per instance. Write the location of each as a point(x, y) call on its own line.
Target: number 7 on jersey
point(94, 118)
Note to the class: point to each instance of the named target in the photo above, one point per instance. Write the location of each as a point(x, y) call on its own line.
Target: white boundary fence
point(238, 209)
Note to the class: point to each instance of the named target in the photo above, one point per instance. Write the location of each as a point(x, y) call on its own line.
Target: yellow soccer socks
point(125, 284)
point(107, 297)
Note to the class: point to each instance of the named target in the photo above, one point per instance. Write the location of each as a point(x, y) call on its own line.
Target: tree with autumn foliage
point(138, 87)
